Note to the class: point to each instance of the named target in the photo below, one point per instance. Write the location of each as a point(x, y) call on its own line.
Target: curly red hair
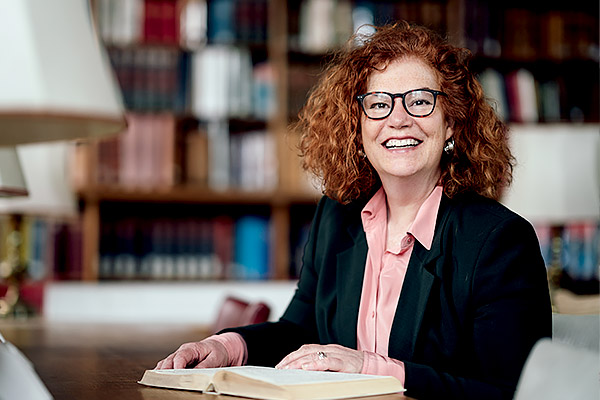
point(329, 123)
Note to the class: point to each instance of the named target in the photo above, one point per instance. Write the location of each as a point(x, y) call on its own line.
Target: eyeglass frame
point(394, 96)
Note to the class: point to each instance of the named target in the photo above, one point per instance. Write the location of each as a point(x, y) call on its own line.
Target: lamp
point(12, 182)
point(56, 84)
point(55, 81)
point(557, 176)
point(556, 180)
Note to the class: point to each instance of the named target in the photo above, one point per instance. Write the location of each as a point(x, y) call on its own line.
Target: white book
point(274, 384)
point(527, 93)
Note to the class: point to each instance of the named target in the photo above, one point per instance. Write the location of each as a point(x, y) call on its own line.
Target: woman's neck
point(404, 199)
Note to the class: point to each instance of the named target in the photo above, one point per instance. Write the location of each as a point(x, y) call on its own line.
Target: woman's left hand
point(331, 357)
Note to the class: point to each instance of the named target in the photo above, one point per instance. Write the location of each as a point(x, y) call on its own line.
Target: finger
point(304, 354)
point(166, 363)
point(211, 361)
point(293, 356)
point(190, 355)
point(181, 360)
point(311, 361)
point(330, 363)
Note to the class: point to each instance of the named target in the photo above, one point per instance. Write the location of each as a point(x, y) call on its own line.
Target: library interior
point(150, 182)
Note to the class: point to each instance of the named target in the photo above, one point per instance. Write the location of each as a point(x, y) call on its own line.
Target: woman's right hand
point(207, 353)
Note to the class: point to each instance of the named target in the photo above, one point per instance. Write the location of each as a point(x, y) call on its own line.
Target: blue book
point(221, 21)
point(252, 248)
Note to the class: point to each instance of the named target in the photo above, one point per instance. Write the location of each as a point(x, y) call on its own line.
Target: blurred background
point(201, 195)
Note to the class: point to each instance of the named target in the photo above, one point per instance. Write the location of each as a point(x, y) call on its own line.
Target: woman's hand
point(331, 357)
point(205, 354)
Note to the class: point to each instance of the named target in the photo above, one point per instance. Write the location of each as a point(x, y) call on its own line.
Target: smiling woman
point(412, 268)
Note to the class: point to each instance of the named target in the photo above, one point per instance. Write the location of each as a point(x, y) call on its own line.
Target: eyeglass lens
point(416, 102)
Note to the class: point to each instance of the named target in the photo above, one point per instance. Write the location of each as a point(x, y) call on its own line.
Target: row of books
point(578, 248)
point(147, 155)
point(522, 33)
point(561, 34)
point(189, 24)
point(221, 160)
point(50, 247)
point(152, 78)
point(226, 84)
point(157, 152)
point(215, 82)
point(317, 26)
point(518, 96)
point(513, 32)
point(161, 248)
point(220, 247)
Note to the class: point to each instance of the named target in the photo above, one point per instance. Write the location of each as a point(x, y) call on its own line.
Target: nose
point(399, 117)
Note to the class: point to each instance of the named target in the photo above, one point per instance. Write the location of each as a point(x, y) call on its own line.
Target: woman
point(412, 268)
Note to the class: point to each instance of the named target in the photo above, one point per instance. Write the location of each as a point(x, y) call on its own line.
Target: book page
point(285, 377)
point(271, 383)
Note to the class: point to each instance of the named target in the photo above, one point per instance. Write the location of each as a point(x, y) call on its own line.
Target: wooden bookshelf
point(485, 28)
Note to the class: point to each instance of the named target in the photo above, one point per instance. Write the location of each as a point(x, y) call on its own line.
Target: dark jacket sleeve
point(505, 309)
point(269, 342)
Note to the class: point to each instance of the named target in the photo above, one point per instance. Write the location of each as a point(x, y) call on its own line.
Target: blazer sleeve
point(507, 312)
point(269, 342)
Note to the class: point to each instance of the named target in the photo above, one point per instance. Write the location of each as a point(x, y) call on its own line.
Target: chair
point(237, 312)
point(556, 370)
point(577, 330)
point(566, 366)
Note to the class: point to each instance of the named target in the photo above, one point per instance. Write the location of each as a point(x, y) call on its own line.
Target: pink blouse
point(384, 276)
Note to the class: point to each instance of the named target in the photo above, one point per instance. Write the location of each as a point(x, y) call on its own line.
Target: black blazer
point(470, 310)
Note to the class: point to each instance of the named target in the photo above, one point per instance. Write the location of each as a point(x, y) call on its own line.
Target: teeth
point(400, 143)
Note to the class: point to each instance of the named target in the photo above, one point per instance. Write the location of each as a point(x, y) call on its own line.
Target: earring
point(449, 146)
point(362, 154)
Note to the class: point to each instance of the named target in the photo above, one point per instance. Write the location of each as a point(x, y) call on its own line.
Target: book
point(271, 383)
point(252, 247)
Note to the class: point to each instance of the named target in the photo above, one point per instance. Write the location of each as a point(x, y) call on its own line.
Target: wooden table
point(104, 361)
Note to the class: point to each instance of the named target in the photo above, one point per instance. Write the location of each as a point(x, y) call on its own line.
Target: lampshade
point(55, 78)
point(46, 171)
point(557, 177)
point(12, 182)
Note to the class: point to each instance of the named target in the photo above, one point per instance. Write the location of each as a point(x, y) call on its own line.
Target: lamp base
point(13, 306)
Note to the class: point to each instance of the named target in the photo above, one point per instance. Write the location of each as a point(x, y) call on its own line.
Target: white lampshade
point(46, 171)
point(557, 177)
point(12, 182)
point(55, 78)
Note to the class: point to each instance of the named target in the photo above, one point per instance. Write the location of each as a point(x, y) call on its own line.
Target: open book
point(271, 383)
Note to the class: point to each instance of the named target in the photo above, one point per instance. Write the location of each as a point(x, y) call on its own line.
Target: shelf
point(192, 194)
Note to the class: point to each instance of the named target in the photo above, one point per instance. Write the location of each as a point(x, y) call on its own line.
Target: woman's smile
point(398, 144)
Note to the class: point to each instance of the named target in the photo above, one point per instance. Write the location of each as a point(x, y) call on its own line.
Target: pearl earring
point(449, 146)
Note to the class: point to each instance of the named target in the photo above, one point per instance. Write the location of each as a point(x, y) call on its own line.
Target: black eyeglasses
point(417, 103)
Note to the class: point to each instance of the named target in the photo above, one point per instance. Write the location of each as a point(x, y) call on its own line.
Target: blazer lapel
point(350, 274)
point(414, 296)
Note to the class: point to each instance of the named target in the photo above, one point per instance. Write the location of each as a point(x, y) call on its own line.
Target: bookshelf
point(197, 170)
point(215, 164)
